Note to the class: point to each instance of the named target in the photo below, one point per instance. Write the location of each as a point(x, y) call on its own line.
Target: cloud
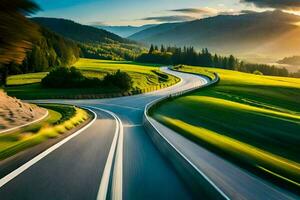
point(233, 12)
point(99, 23)
point(173, 18)
point(228, 13)
point(278, 4)
point(247, 12)
point(195, 10)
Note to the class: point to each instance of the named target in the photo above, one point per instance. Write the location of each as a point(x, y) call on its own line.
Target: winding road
point(114, 158)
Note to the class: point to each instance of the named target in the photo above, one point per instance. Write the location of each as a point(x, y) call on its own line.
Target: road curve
point(72, 171)
point(75, 169)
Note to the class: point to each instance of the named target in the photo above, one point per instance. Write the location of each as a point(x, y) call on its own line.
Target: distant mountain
point(125, 31)
point(271, 33)
point(93, 42)
point(294, 60)
point(145, 35)
point(79, 32)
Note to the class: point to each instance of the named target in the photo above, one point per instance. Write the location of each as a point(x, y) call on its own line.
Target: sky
point(140, 12)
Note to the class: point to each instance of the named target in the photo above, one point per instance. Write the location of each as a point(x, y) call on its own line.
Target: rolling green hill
point(250, 119)
point(145, 78)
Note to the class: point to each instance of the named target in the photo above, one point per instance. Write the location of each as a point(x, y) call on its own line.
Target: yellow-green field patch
point(145, 78)
point(258, 117)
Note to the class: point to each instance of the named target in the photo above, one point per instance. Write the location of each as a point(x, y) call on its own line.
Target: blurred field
point(250, 118)
point(61, 118)
point(145, 78)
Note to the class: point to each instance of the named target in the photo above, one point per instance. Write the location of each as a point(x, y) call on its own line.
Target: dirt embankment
point(14, 112)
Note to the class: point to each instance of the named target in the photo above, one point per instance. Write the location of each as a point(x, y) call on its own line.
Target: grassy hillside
point(145, 79)
point(247, 118)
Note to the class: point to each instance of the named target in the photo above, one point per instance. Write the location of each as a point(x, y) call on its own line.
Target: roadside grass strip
point(252, 120)
point(244, 107)
point(37, 158)
point(52, 127)
point(279, 165)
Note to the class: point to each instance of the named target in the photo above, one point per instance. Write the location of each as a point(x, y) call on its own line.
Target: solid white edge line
point(27, 124)
point(117, 182)
point(115, 155)
point(28, 164)
point(190, 162)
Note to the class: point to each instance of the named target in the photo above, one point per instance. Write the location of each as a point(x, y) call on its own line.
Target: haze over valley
point(160, 99)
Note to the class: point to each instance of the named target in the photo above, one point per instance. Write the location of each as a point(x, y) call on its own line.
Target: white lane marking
point(117, 183)
point(116, 155)
point(27, 124)
point(132, 125)
point(148, 118)
point(24, 167)
point(121, 106)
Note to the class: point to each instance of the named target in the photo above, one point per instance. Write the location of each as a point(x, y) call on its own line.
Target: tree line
point(189, 56)
point(63, 77)
point(110, 51)
point(186, 55)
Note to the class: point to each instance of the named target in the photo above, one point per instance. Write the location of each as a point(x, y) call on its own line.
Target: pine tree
point(151, 49)
point(162, 49)
point(231, 62)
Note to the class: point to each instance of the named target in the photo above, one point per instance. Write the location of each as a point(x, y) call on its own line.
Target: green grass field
point(145, 78)
point(61, 118)
point(248, 118)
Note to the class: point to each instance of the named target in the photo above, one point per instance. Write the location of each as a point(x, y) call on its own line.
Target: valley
point(114, 100)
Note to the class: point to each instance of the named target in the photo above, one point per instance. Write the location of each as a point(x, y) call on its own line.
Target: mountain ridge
point(125, 31)
point(78, 32)
point(272, 33)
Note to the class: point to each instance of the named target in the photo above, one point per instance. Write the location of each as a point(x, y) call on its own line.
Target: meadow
point(252, 120)
point(145, 78)
point(61, 119)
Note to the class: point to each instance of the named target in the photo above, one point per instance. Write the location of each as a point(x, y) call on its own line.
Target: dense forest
point(110, 51)
point(189, 56)
point(50, 50)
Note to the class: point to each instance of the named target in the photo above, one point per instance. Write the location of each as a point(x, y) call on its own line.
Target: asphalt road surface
point(75, 169)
